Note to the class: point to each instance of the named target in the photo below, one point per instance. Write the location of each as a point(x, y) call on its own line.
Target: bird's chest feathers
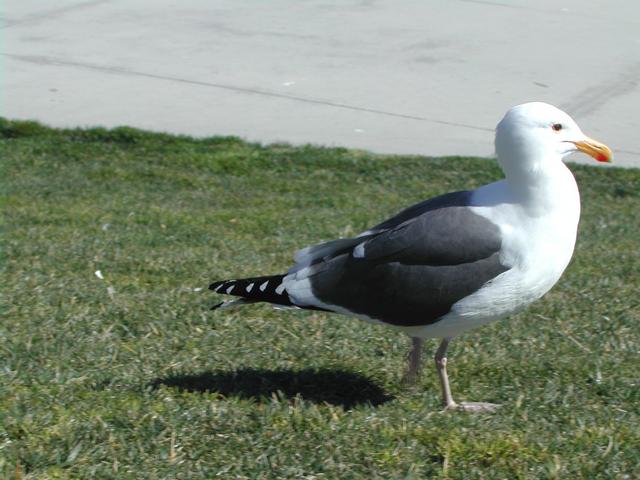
point(539, 251)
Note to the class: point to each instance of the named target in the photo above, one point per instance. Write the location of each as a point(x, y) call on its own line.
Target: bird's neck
point(544, 188)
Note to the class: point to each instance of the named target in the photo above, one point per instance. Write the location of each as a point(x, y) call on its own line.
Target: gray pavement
point(422, 76)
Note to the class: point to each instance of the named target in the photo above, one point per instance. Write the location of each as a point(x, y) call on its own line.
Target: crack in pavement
point(49, 14)
point(115, 70)
point(593, 98)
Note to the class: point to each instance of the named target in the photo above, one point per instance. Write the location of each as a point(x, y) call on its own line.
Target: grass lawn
point(131, 376)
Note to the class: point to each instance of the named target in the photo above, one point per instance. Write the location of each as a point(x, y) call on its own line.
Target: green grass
point(132, 376)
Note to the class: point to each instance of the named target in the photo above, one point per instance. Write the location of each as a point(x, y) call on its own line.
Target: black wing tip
point(215, 285)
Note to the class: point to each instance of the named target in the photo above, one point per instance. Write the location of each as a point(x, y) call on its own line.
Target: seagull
point(456, 261)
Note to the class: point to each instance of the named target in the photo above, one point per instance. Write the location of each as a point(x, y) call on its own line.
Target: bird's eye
point(557, 127)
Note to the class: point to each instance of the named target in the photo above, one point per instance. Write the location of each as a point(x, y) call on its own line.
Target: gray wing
point(412, 268)
point(315, 253)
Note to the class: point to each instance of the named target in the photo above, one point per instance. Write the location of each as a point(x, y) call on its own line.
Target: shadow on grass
point(334, 387)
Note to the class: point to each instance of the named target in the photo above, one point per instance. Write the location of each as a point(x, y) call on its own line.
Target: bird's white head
point(533, 134)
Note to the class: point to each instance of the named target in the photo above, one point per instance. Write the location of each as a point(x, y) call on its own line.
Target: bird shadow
point(333, 387)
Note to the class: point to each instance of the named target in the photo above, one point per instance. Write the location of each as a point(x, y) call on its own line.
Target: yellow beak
point(597, 150)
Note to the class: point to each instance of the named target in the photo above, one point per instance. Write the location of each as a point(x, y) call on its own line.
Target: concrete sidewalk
point(421, 76)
